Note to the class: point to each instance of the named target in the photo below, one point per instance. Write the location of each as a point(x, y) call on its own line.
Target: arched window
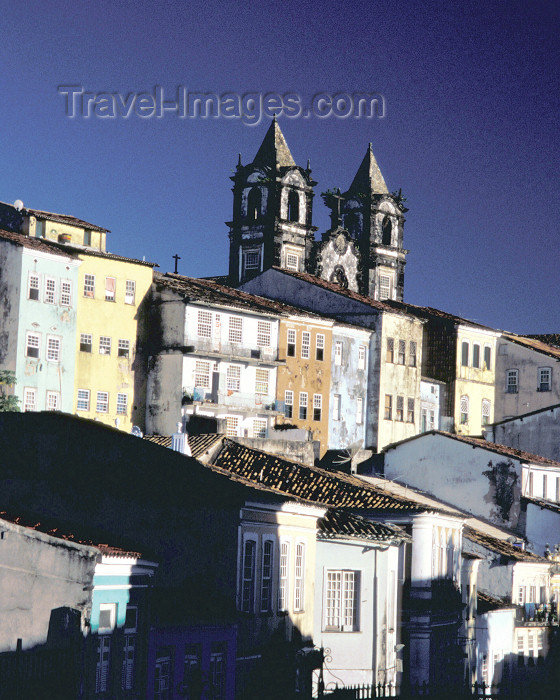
point(352, 224)
point(386, 230)
point(464, 410)
point(254, 203)
point(293, 205)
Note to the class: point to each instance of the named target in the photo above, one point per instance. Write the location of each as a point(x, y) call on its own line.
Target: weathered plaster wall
point(299, 450)
point(39, 574)
point(478, 480)
point(10, 292)
point(542, 527)
point(538, 433)
point(528, 398)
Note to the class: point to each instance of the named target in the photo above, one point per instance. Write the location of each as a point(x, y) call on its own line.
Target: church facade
point(272, 224)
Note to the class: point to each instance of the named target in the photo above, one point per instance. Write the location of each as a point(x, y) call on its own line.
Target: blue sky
point(470, 132)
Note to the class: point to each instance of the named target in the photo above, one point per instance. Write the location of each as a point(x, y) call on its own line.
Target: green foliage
point(7, 402)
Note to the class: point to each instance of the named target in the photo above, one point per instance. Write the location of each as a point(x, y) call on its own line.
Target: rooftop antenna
point(176, 258)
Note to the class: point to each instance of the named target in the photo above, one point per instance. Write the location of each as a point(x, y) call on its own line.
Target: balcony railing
point(234, 350)
point(536, 614)
point(240, 399)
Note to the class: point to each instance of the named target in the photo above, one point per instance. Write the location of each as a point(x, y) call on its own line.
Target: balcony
point(234, 352)
point(233, 399)
point(535, 615)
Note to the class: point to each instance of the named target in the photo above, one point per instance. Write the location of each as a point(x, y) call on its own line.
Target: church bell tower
point(272, 212)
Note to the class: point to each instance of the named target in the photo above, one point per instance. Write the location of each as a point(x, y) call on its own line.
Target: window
point(338, 352)
point(545, 374)
point(50, 291)
point(388, 407)
point(544, 490)
point(359, 410)
point(205, 324)
point(487, 357)
point(384, 287)
point(66, 293)
point(32, 342)
point(336, 407)
point(110, 287)
point(53, 349)
point(102, 665)
point(124, 348)
point(317, 406)
point(40, 229)
point(293, 206)
point(122, 404)
point(362, 357)
point(202, 374)
point(400, 409)
point(233, 377)
point(292, 261)
point(288, 403)
point(341, 601)
point(266, 576)
point(305, 343)
point(412, 353)
point(85, 342)
point(217, 671)
point(254, 202)
point(530, 486)
point(192, 675)
point(261, 382)
point(558, 489)
point(129, 647)
point(465, 354)
point(248, 576)
point(235, 331)
point(53, 401)
point(390, 354)
point(82, 403)
point(320, 347)
point(87, 237)
point(291, 344)
point(485, 411)
point(464, 410)
point(251, 260)
point(163, 675)
point(402, 352)
point(232, 426)
point(259, 428)
point(263, 334)
point(299, 572)
point(89, 286)
point(129, 292)
point(283, 573)
point(476, 355)
point(29, 399)
point(107, 617)
point(410, 411)
point(104, 345)
point(512, 381)
point(102, 405)
point(33, 288)
point(302, 406)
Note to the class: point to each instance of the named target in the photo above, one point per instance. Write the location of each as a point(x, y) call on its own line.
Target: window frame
point(248, 575)
point(258, 426)
point(99, 401)
point(85, 397)
point(50, 395)
point(512, 387)
point(84, 344)
point(291, 338)
point(305, 345)
point(412, 353)
point(410, 409)
point(199, 372)
point(320, 347)
point(262, 381)
point(303, 405)
point(464, 414)
point(341, 612)
point(267, 576)
point(123, 347)
point(49, 291)
point(122, 404)
point(362, 357)
point(105, 343)
point(487, 358)
point(544, 385)
point(336, 406)
point(29, 406)
point(34, 290)
point(465, 353)
point(284, 575)
point(34, 347)
point(111, 294)
point(338, 351)
point(89, 286)
point(65, 292)
point(204, 323)
point(399, 409)
point(317, 407)
point(235, 329)
point(233, 378)
point(264, 334)
point(130, 292)
point(476, 355)
point(299, 576)
point(359, 410)
point(390, 350)
point(288, 393)
point(401, 353)
point(54, 349)
point(388, 409)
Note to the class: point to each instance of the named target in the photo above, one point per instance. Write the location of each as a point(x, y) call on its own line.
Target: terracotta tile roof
point(304, 482)
point(534, 344)
point(485, 603)
point(63, 219)
point(214, 293)
point(500, 546)
point(541, 503)
point(340, 524)
point(39, 244)
point(429, 313)
point(199, 444)
point(333, 287)
point(107, 256)
point(521, 455)
point(548, 338)
point(48, 528)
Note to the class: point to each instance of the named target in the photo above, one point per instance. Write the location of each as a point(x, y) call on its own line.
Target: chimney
point(180, 441)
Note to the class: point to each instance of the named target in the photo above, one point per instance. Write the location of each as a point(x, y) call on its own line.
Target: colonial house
point(483, 478)
point(39, 284)
point(527, 376)
point(393, 377)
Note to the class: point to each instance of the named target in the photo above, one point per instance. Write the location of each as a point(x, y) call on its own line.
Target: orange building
point(303, 385)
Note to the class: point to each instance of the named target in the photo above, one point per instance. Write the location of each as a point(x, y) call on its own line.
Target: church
point(272, 224)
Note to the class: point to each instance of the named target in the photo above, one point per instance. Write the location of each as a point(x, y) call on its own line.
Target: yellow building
point(303, 385)
point(63, 229)
point(110, 376)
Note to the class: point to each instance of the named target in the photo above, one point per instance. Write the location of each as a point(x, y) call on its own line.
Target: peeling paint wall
point(538, 434)
point(10, 293)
